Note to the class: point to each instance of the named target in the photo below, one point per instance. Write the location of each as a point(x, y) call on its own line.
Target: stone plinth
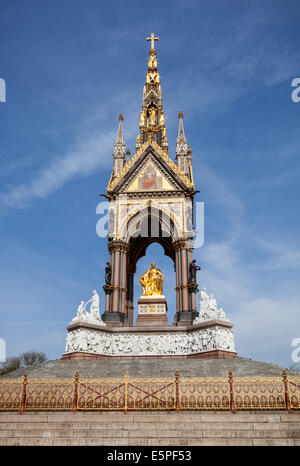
point(152, 311)
point(210, 339)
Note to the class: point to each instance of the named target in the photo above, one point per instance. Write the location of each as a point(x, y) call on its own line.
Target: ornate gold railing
point(129, 393)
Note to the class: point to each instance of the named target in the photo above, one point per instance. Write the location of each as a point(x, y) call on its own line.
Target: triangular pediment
point(150, 171)
point(150, 176)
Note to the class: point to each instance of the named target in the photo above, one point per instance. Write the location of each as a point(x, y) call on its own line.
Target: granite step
point(164, 417)
point(134, 442)
point(150, 428)
point(145, 434)
point(149, 368)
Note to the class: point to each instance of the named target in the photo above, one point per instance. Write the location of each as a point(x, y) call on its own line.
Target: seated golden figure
point(152, 281)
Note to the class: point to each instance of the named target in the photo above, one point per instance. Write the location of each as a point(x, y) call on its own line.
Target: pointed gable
point(150, 177)
point(150, 169)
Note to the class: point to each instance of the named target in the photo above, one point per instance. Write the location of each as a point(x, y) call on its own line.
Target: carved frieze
point(145, 344)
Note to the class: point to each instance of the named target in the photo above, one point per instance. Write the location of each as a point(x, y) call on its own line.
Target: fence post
point(126, 393)
point(232, 405)
point(23, 400)
point(177, 390)
point(75, 401)
point(286, 391)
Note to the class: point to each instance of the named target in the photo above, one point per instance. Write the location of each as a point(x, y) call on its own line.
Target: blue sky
point(71, 68)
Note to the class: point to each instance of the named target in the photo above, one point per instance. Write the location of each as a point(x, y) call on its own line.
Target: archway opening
point(156, 253)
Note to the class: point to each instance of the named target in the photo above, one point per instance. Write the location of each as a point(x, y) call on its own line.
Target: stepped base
point(80, 355)
point(150, 429)
point(148, 367)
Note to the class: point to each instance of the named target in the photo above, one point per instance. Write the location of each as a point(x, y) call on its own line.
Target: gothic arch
point(138, 247)
point(158, 219)
point(152, 223)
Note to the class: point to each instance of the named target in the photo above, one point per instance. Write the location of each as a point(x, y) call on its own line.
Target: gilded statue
point(142, 118)
point(152, 281)
point(162, 118)
point(152, 117)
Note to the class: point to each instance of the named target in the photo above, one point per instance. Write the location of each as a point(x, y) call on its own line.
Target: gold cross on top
point(152, 38)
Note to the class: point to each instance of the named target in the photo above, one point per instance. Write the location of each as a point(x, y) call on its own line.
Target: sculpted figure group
point(208, 308)
point(94, 315)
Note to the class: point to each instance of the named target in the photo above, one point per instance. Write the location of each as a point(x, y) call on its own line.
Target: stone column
point(185, 301)
point(114, 314)
point(178, 282)
point(130, 275)
point(116, 282)
point(123, 307)
point(184, 280)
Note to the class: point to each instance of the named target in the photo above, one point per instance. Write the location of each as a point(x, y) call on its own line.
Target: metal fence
point(129, 393)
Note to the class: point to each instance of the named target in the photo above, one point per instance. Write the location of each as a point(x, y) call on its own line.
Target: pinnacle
point(120, 138)
point(181, 135)
point(119, 147)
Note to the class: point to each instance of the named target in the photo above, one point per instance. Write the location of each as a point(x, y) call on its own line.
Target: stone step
point(162, 428)
point(146, 416)
point(149, 442)
point(149, 368)
point(140, 425)
point(149, 433)
point(150, 428)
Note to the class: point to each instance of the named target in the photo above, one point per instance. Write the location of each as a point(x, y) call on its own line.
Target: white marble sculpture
point(94, 307)
point(209, 309)
point(94, 315)
point(82, 314)
point(159, 344)
point(94, 340)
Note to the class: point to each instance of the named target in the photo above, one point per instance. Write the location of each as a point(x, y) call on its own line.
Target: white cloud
point(265, 320)
point(265, 316)
point(92, 151)
point(267, 327)
point(79, 161)
point(278, 255)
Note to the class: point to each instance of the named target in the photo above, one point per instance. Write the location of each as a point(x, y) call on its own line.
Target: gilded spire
point(152, 131)
point(152, 118)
